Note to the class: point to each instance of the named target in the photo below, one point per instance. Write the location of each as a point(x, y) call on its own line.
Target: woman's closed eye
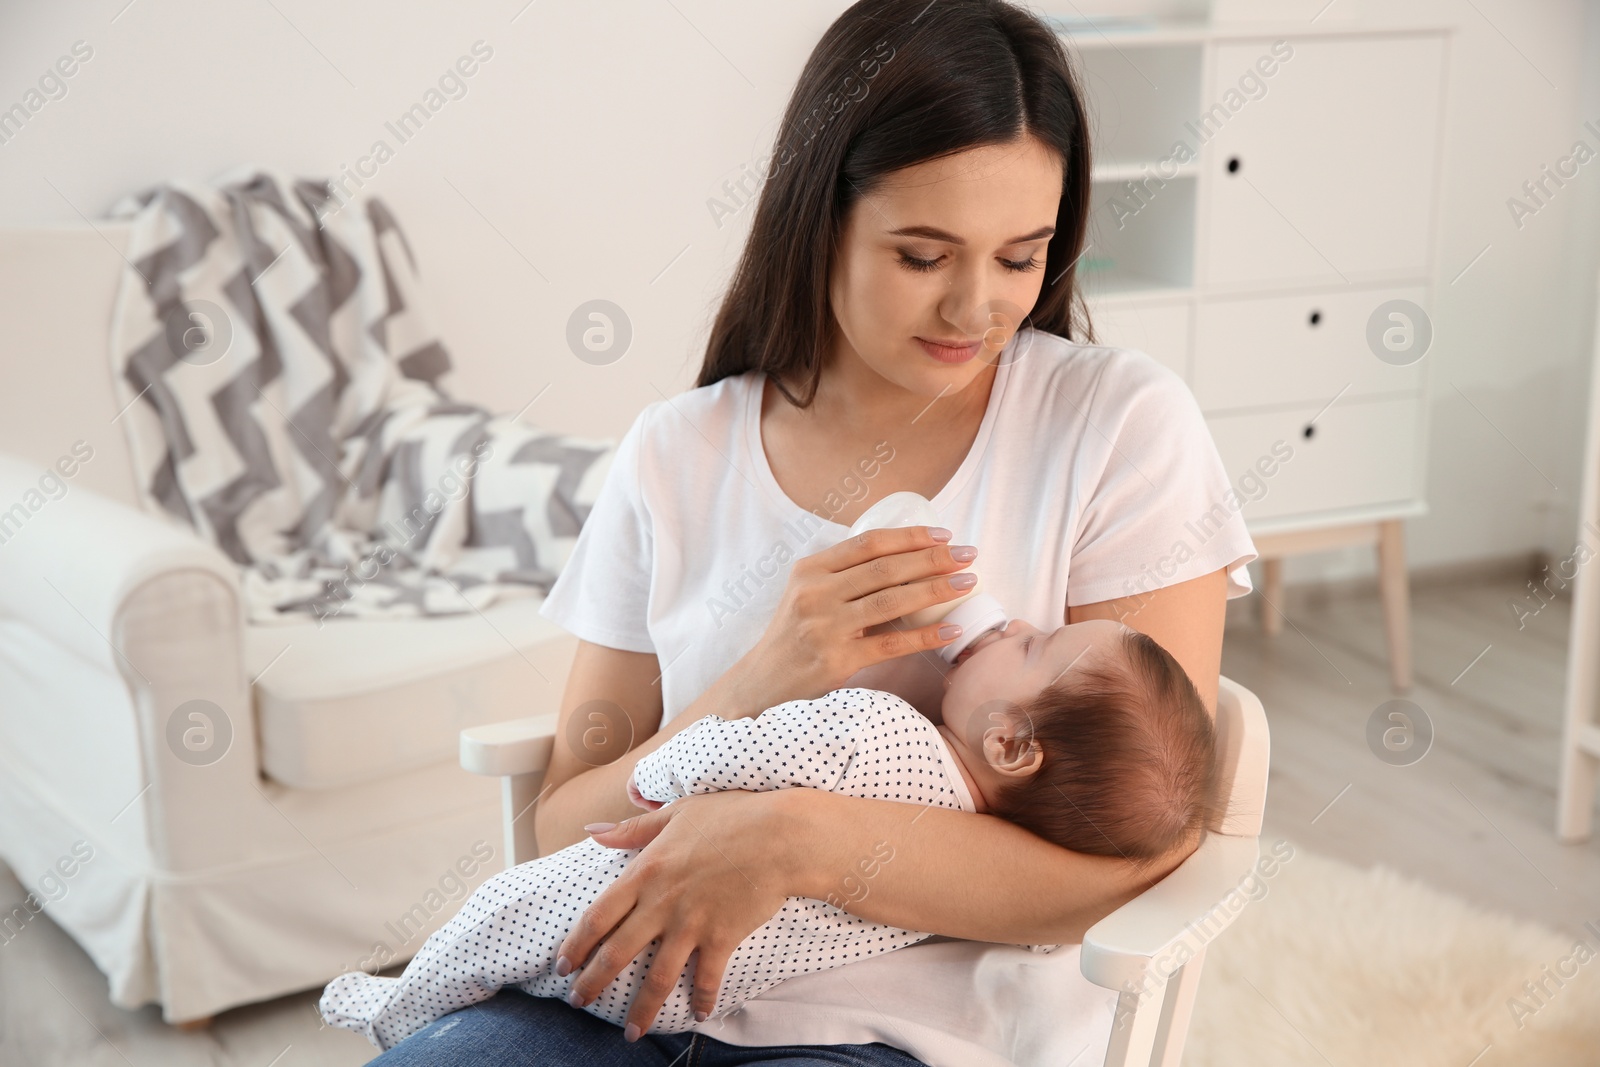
point(1019, 266)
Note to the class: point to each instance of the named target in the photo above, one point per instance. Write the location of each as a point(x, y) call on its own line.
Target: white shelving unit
point(1259, 192)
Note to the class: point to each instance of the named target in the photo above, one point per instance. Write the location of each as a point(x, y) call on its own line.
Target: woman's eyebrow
point(933, 233)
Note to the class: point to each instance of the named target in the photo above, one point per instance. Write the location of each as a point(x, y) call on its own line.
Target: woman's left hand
point(708, 879)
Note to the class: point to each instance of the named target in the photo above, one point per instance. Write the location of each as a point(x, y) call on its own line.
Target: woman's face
point(950, 250)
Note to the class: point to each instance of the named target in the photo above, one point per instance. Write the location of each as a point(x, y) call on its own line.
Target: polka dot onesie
point(862, 742)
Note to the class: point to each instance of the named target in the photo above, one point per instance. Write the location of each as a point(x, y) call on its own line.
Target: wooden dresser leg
point(1395, 588)
point(1271, 595)
point(1580, 773)
point(1580, 732)
point(192, 1025)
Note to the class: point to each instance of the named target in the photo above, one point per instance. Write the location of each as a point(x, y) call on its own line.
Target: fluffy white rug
point(1339, 967)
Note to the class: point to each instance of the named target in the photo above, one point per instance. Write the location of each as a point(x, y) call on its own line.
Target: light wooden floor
point(1474, 817)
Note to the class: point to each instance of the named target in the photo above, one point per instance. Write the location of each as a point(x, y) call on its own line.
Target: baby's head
point(1091, 736)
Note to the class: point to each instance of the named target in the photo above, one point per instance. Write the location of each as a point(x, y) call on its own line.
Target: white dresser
point(1264, 217)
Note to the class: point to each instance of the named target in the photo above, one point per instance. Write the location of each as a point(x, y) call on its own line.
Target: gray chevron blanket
point(281, 395)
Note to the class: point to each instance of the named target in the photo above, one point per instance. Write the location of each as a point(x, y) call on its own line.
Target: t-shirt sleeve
point(602, 594)
point(1163, 510)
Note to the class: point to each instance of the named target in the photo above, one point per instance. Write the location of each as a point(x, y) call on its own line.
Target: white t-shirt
point(1093, 476)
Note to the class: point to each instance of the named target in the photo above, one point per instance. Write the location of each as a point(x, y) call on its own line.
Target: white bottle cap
point(976, 616)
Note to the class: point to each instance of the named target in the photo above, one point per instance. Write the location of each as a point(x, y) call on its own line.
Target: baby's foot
point(353, 1001)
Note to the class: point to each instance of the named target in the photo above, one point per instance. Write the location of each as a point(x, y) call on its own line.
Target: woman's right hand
point(823, 630)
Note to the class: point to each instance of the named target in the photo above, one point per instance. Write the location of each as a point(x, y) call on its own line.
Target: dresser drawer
point(1161, 331)
point(1303, 348)
point(1360, 453)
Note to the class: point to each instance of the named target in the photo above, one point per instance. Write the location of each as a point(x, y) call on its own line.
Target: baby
point(1091, 737)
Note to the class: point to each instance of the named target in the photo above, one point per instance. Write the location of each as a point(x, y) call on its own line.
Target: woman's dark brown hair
point(891, 84)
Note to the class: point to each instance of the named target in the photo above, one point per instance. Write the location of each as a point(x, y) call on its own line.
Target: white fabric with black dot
point(861, 742)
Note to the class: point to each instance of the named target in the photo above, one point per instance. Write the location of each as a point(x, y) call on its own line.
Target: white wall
point(1512, 341)
point(579, 163)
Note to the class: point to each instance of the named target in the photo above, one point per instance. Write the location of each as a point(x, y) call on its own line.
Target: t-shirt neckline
point(755, 384)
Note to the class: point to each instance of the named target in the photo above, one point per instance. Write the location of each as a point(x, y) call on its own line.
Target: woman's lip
point(949, 353)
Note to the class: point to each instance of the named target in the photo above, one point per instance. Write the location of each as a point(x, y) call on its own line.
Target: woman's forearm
point(600, 794)
point(935, 869)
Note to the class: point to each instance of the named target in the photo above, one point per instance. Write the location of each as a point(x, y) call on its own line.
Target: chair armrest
point(77, 559)
point(513, 747)
point(1172, 921)
point(517, 752)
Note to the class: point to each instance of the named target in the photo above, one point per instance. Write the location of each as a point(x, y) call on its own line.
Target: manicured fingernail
point(563, 966)
point(700, 1016)
point(949, 631)
point(964, 553)
point(574, 999)
point(963, 581)
point(631, 1033)
point(939, 533)
point(599, 827)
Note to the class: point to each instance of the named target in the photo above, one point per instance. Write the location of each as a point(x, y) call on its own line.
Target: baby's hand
point(639, 799)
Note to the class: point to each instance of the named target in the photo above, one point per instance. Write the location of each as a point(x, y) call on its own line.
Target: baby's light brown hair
point(1129, 765)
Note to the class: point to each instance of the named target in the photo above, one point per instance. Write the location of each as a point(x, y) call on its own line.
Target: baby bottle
point(975, 612)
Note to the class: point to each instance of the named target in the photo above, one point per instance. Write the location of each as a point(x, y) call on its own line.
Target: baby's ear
point(1008, 744)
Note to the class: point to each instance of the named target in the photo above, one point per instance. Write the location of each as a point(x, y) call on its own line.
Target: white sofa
point(335, 829)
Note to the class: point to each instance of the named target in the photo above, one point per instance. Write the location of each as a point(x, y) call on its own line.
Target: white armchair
point(1150, 950)
point(262, 807)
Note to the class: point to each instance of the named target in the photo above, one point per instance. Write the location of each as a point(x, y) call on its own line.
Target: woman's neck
point(857, 399)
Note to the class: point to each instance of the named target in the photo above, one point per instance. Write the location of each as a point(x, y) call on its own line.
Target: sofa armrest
point(68, 564)
point(1150, 937)
point(153, 742)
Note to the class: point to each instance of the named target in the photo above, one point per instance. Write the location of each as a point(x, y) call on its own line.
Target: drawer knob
point(1316, 317)
point(1308, 431)
point(1233, 164)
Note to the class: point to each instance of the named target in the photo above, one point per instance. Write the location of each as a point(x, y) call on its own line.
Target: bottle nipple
point(976, 616)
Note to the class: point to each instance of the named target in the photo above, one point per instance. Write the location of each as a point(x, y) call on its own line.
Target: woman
point(931, 179)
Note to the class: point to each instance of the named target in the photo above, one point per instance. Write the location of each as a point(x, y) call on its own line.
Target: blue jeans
point(512, 1029)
